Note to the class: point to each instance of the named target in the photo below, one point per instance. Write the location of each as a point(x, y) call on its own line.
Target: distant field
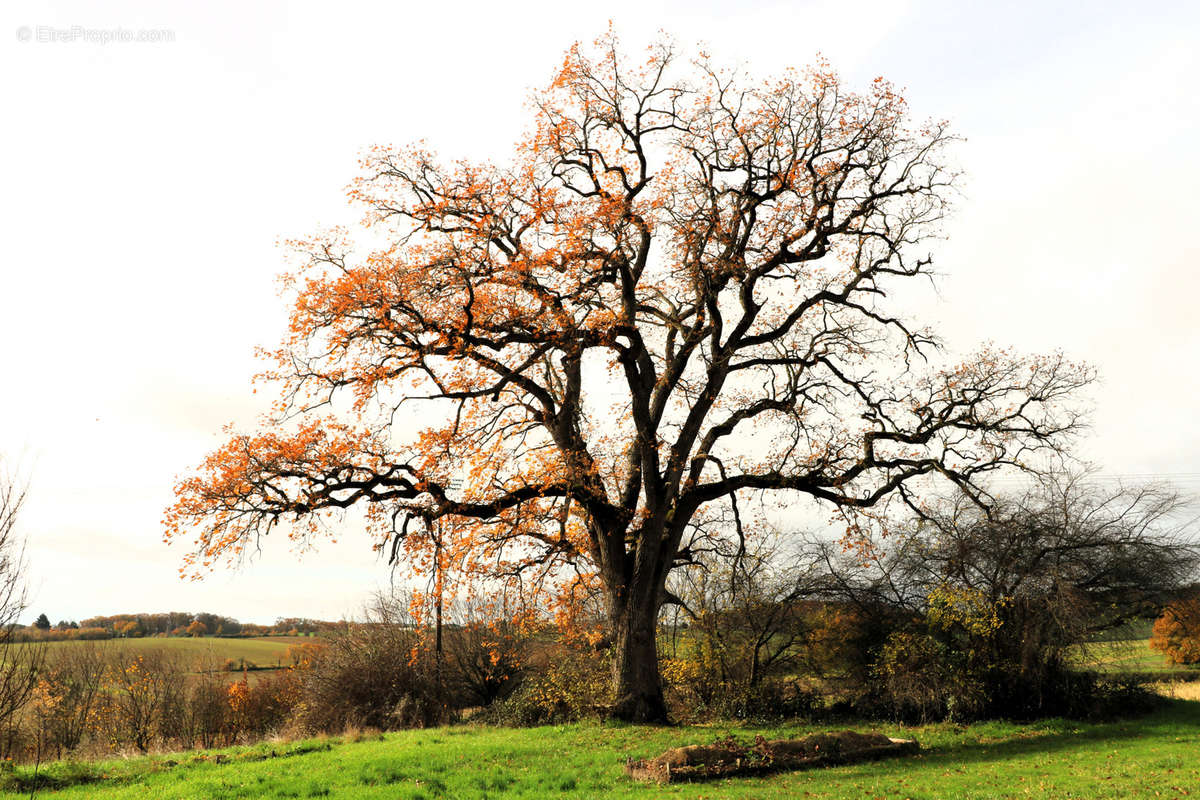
point(1135, 629)
point(205, 652)
point(1132, 655)
point(1148, 757)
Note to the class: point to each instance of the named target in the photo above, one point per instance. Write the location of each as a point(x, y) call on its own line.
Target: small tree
point(1177, 632)
point(42, 623)
point(197, 629)
point(139, 691)
point(76, 675)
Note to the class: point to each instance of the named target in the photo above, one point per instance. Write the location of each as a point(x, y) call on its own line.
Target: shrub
point(258, 709)
point(91, 634)
point(67, 694)
point(377, 674)
point(574, 684)
point(485, 661)
point(139, 693)
point(1121, 696)
point(919, 679)
point(205, 719)
point(1000, 594)
point(753, 622)
point(773, 699)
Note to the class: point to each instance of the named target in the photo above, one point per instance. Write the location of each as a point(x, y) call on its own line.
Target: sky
point(147, 175)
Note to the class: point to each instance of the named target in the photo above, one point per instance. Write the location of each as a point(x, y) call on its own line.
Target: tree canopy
point(675, 295)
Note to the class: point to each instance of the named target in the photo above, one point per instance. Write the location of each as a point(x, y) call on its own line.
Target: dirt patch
point(728, 758)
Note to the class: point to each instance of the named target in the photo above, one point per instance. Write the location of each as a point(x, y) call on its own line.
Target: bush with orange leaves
point(66, 695)
point(1177, 632)
point(258, 709)
point(302, 656)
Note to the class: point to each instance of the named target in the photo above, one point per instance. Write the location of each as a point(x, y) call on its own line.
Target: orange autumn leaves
point(273, 475)
point(1177, 632)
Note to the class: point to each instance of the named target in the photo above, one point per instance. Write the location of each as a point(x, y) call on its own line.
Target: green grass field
point(1132, 655)
point(1153, 756)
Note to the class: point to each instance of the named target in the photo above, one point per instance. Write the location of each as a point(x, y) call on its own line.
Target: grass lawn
point(1152, 756)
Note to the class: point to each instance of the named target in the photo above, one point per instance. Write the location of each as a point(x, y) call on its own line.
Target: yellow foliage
point(954, 606)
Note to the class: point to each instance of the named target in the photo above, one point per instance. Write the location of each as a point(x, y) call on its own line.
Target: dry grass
point(1179, 690)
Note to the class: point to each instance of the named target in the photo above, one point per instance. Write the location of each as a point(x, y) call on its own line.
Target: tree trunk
point(638, 687)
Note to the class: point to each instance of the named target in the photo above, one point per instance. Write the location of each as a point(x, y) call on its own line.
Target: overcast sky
point(144, 185)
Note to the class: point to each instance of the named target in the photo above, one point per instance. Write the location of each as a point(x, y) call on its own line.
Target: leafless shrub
point(378, 674)
point(19, 662)
point(745, 616)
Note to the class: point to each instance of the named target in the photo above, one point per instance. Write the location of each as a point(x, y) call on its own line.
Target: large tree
point(676, 294)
